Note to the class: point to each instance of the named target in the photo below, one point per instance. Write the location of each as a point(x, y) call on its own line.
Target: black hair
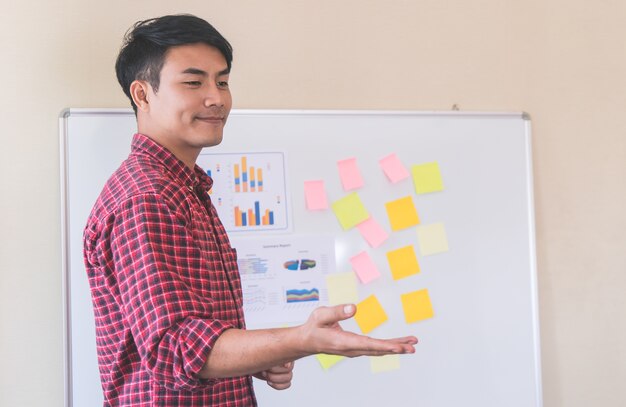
point(145, 44)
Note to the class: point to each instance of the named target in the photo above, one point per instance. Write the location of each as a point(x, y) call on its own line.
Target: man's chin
point(212, 141)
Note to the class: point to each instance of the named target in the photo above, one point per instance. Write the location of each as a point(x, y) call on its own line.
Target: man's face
point(190, 108)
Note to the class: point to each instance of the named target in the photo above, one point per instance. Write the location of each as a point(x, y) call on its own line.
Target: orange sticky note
point(349, 173)
point(369, 314)
point(417, 306)
point(364, 267)
point(427, 178)
point(403, 262)
point(315, 195)
point(393, 168)
point(402, 213)
point(372, 232)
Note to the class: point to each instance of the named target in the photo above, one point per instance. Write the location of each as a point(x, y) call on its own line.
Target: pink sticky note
point(393, 168)
point(372, 232)
point(315, 194)
point(349, 173)
point(364, 267)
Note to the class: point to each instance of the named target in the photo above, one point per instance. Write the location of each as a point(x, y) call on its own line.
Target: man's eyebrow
point(196, 71)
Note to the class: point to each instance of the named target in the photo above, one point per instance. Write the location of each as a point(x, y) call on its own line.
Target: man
point(164, 281)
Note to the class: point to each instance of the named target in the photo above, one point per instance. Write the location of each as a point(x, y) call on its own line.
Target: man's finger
point(280, 369)
point(279, 386)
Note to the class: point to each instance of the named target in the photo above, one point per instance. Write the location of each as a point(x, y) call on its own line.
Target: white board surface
point(481, 348)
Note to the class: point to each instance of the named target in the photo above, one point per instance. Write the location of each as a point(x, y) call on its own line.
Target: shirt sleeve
point(159, 270)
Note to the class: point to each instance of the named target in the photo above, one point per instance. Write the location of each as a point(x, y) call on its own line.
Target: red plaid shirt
point(164, 284)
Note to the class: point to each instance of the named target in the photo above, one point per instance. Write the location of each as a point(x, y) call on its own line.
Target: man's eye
point(193, 83)
point(222, 84)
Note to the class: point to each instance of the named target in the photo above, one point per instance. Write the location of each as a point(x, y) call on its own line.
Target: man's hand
point(323, 333)
point(278, 377)
point(238, 352)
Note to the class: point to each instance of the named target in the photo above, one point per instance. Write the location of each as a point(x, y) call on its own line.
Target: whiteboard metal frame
point(64, 189)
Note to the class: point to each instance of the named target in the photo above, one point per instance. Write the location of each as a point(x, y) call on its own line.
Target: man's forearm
point(240, 352)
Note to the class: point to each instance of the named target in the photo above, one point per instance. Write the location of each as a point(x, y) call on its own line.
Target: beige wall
point(563, 61)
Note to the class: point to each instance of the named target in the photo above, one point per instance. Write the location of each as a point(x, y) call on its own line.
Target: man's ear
point(139, 93)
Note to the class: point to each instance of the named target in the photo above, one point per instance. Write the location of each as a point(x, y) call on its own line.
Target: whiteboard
point(481, 348)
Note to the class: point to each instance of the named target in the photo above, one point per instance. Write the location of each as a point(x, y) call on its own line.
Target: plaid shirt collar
point(196, 179)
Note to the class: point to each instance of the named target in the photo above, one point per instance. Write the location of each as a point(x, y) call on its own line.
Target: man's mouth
point(210, 119)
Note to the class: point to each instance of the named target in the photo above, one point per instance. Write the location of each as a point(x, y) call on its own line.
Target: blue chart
point(249, 190)
point(304, 264)
point(253, 217)
point(302, 295)
point(252, 265)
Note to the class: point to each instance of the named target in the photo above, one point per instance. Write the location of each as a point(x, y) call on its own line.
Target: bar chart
point(253, 217)
point(249, 190)
point(247, 179)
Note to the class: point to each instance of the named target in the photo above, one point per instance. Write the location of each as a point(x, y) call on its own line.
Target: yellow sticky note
point(328, 361)
point(385, 363)
point(402, 213)
point(369, 314)
point(432, 239)
point(417, 306)
point(427, 178)
point(350, 211)
point(403, 262)
point(342, 288)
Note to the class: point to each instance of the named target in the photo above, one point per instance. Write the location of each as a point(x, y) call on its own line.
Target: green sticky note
point(402, 213)
point(417, 306)
point(403, 262)
point(385, 363)
point(427, 178)
point(432, 239)
point(328, 361)
point(369, 314)
point(342, 288)
point(350, 211)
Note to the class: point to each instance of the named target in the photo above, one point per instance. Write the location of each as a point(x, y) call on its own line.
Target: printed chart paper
point(283, 277)
point(249, 190)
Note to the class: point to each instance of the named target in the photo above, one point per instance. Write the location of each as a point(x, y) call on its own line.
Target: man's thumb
point(332, 315)
point(348, 310)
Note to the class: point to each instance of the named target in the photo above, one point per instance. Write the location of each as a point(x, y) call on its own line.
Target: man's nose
point(214, 96)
